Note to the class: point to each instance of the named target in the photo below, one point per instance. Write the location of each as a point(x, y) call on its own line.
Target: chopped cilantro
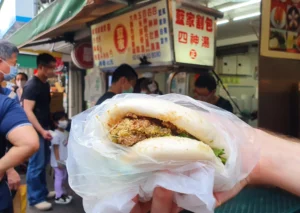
point(224, 160)
point(219, 153)
point(184, 135)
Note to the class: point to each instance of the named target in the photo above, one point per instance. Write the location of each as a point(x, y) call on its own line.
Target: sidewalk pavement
point(74, 207)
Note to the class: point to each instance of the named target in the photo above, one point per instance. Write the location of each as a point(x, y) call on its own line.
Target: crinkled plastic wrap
point(107, 183)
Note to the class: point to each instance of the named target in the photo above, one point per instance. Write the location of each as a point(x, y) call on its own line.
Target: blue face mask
point(12, 73)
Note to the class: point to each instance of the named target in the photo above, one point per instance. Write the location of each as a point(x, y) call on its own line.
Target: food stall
point(142, 37)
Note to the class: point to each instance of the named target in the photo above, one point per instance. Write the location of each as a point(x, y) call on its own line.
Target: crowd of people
point(25, 133)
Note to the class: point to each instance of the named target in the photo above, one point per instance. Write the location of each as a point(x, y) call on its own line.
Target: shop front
point(142, 37)
point(167, 40)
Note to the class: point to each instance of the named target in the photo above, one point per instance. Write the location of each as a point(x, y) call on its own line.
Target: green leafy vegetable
point(224, 160)
point(184, 135)
point(219, 153)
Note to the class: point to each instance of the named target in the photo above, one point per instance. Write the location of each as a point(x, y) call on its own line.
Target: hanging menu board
point(194, 36)
point(131, 36)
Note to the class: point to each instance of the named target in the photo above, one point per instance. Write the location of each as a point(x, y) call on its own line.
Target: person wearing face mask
point(21, 80)
point(123, 81)
point(149, 86)
point(205, 90)
point(8, 66)
point(36, 103)
point(59, 154)
point(8, 71)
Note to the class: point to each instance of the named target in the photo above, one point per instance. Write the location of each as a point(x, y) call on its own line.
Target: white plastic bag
point(107, 184)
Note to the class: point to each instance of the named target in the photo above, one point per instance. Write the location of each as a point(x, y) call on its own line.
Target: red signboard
point(59, 64)
point(82, 55)
point(120, 38)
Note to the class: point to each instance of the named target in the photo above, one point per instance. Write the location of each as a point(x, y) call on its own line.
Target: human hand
point(47, 135)
point(276, 154)
point(162, 202)
point(13, 178)
point(61, 164)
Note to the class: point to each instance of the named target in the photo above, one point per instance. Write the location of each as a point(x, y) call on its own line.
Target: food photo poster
point(280, 33)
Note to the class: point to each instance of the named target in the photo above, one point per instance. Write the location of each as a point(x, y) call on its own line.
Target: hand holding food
point(132, 144)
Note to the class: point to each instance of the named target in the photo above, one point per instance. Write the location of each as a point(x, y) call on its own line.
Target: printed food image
point(293, 18)
point(291, 41)
point(277, 40)
point(278, 17)
point(298, 43)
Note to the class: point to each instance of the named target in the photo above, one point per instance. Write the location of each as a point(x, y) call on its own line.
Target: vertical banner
point(194, 36)
point(134, 35)
point(280, 29)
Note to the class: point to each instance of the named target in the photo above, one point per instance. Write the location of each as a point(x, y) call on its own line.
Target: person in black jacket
point(205, 90)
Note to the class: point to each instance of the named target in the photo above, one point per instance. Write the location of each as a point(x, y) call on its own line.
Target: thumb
point(222, 197)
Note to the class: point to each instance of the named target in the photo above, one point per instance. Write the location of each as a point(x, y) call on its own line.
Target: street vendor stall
point(157, 36)
point(142, 37)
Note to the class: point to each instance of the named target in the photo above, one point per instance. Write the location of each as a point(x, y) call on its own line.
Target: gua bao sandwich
point(163, 131)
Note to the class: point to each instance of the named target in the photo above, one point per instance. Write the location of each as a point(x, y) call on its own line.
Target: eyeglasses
point(15, 65)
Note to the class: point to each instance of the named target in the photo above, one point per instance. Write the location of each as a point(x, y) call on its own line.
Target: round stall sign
point(121, 38)
point(193, 54)
point(82, 55)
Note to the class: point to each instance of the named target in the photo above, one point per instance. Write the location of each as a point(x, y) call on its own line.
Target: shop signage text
point(129, 37)
point(194, 37)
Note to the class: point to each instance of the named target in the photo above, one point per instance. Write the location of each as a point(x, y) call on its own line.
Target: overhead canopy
point(63, 16)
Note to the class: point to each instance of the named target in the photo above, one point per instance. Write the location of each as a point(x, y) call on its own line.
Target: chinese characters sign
point(129, 37)
point(194, 37)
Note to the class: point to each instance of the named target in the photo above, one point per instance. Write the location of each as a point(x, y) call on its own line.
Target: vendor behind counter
point(205, 90)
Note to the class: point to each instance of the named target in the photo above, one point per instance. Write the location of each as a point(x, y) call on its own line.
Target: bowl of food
point(278, 17)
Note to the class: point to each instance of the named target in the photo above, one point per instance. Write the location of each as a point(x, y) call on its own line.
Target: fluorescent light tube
point(236, 6)
point(224, 21)
point(246, 16)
